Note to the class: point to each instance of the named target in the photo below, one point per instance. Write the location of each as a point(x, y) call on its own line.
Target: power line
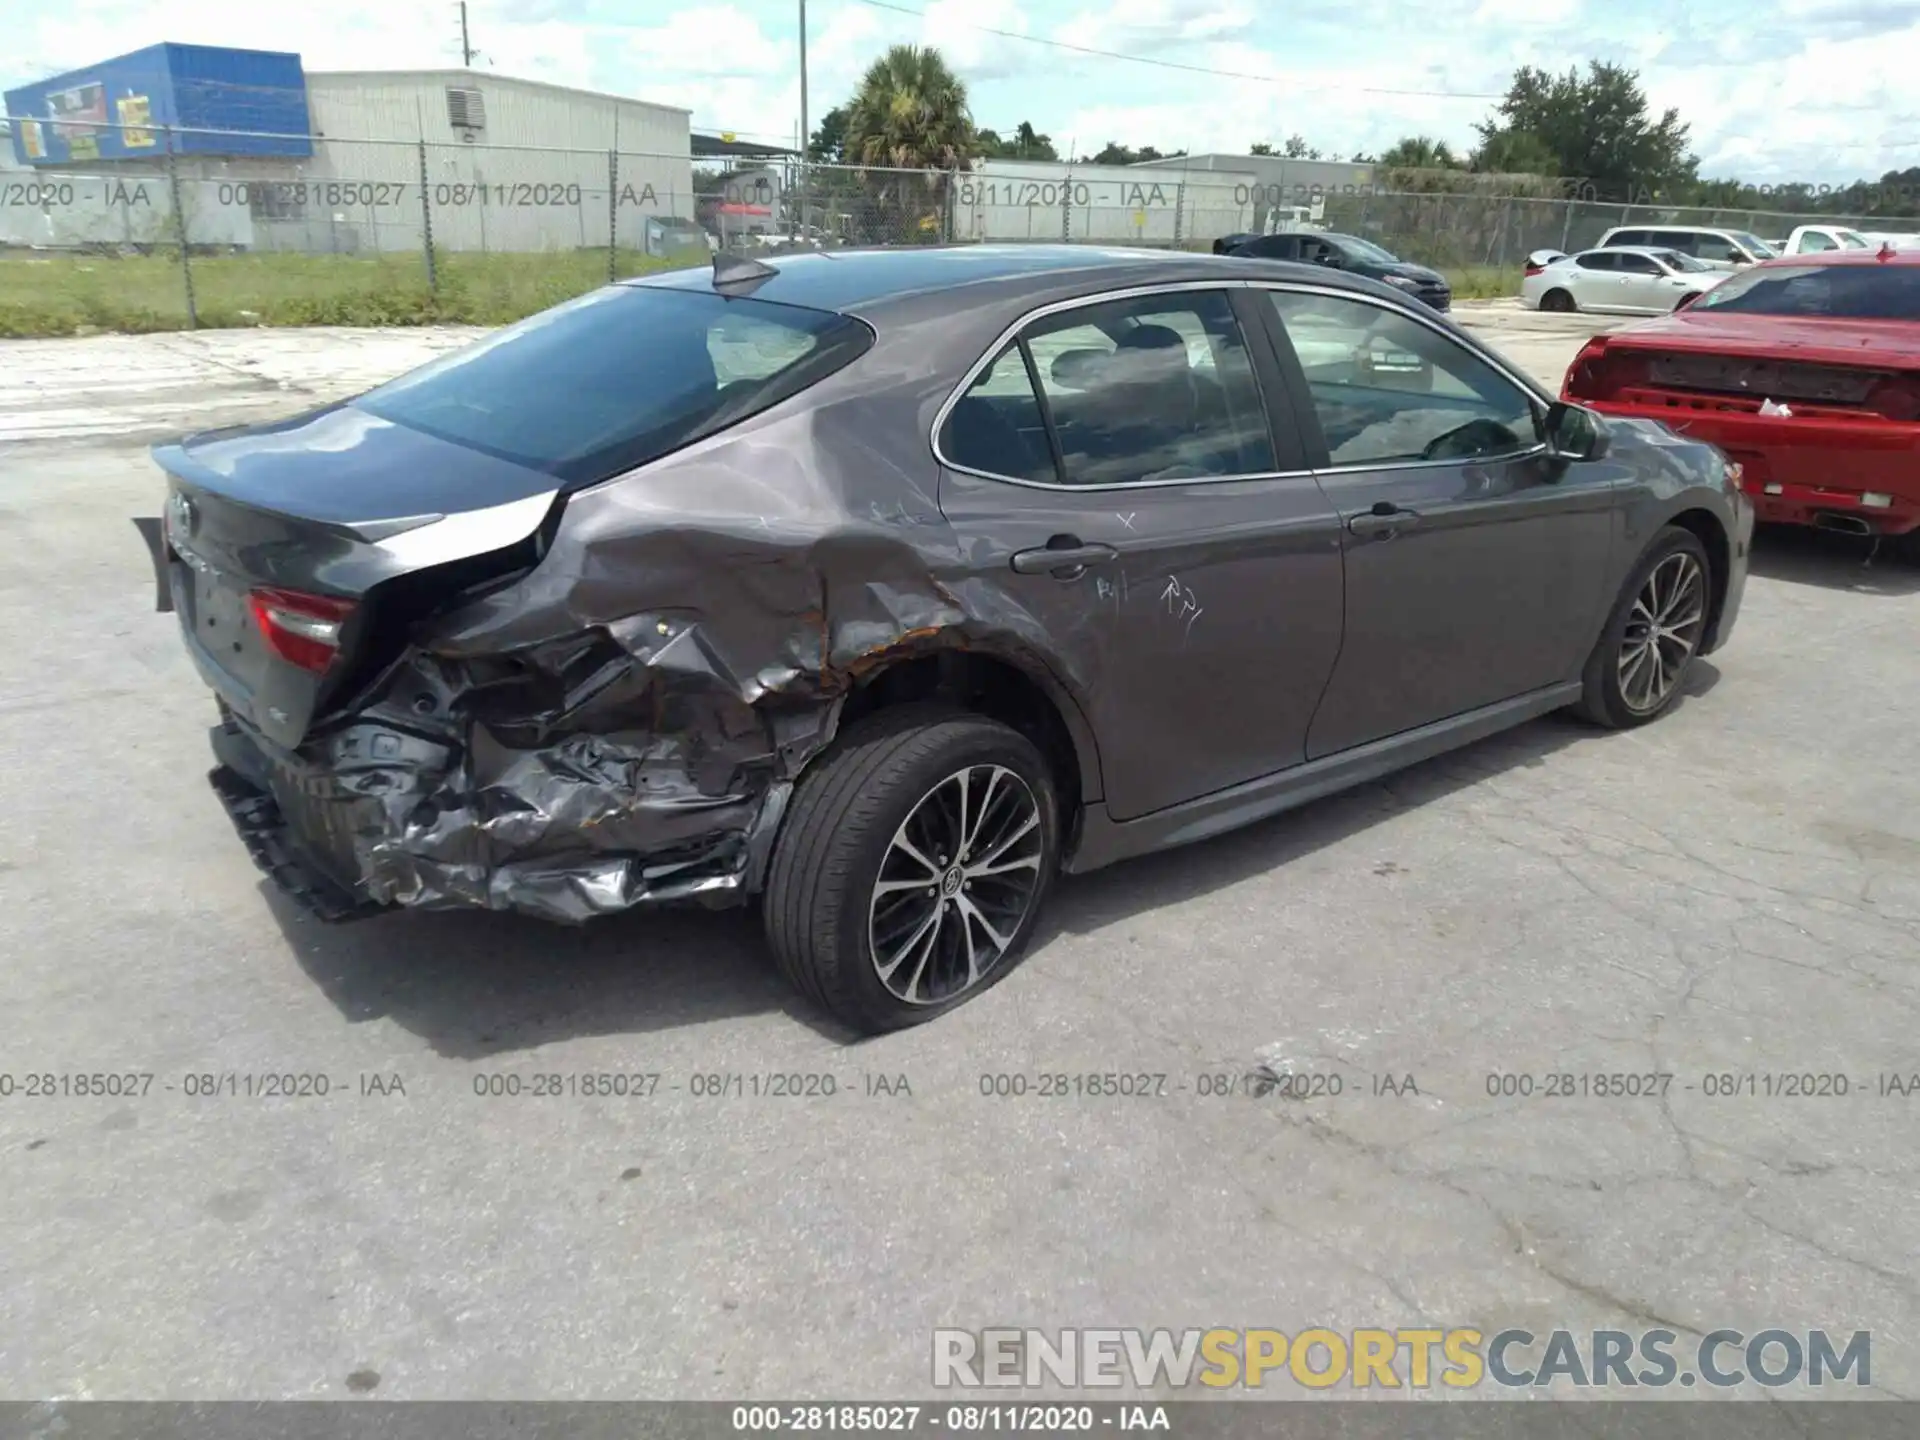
point(1291, 80)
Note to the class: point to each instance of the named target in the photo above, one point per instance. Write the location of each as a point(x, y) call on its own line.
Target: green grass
point(1482, 282)
point(82, 294)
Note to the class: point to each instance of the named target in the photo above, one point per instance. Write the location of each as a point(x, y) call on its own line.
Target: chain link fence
point(407, 231)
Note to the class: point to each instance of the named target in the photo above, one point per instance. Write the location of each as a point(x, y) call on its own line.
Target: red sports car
point(1805, 370)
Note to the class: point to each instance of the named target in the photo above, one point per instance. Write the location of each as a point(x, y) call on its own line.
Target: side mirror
point(1575, 432)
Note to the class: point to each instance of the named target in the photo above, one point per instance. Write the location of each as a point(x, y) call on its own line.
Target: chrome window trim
point(1526, 385)
point(1083, 302)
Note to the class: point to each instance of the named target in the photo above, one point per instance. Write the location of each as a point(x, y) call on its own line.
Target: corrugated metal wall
point(537, 173)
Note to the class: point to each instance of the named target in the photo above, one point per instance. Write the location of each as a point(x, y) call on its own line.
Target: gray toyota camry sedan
point(877, 588)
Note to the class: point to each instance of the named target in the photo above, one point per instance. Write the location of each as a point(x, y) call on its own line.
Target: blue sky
point(1815, 90)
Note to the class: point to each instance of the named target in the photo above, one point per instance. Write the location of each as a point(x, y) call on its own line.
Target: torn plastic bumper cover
point(523, 783)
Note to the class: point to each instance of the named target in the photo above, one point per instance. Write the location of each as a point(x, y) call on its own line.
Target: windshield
point(1363, 249)
point(1754, 245)
point(1839, 292)
point(619, 377)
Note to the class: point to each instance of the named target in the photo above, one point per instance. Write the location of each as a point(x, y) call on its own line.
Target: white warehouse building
point(509, 164)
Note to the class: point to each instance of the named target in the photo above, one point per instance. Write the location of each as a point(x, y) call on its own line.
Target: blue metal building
point(214, 101)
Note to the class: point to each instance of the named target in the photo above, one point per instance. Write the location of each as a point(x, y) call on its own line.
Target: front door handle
point(1383, 519)
point(1064, 557)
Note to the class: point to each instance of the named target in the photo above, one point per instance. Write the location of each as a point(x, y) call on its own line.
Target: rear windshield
point(1845, 292)
point(619, 377)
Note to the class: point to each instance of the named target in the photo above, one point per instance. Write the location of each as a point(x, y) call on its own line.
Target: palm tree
point(910, 113)
point(1420, 152)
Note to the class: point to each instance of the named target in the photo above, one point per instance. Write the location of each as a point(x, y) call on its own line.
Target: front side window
point(618, 377)
point(1718, 247)
point(1627, 237)
point(1685, 241)
point(1639, 264)
point(1157, 388)
point(1388, 389)
point(1814, 240)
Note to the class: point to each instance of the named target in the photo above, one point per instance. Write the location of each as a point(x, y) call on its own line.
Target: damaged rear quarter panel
point(625, 722)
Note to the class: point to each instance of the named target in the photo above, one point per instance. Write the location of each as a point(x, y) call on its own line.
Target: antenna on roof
point(729, 270)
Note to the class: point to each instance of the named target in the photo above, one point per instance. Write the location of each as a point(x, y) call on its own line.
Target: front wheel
point(911, 865)
point(1639, 666)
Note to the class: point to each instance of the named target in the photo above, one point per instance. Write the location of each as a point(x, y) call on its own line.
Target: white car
point(1616, 280)
point(1811, 239)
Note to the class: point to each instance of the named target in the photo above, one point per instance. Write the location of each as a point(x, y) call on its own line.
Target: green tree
point(1117, 154)
point(1419, 152)
point(1298, 149)
point(1514, 152)
point(828, 143)
point(1597, 128)
point(909, 113)
point(1025, 143)
point(1260, 148)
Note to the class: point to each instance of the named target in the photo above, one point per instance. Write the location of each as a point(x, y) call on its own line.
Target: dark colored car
point(1351, 254)
point(1805, 370)
point(879, 587)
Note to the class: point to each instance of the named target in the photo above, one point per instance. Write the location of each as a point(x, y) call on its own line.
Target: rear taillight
point(1598, 373)
point(301, 629)
point(1897, 398)
point(1533, 270)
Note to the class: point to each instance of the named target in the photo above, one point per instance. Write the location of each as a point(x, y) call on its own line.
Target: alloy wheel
point(1662, 632)
point(955, 885)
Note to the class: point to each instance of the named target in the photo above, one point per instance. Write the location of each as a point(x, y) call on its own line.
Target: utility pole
point(806, 135)
point(466, 50)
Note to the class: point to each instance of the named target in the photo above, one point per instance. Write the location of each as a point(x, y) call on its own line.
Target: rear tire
point(846, 915)
point(1639, 666)
point(1558, 301)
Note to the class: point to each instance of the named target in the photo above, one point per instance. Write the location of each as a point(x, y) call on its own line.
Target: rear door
point(1475, 564)
point(1595, 280)
point(1126, 473)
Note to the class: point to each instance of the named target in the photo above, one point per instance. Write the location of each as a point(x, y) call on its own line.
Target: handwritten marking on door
point(1181, 602)
point(1127, 519)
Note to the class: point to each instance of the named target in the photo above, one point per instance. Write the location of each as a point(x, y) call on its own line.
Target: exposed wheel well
point(986, 685)
point(1706, 528)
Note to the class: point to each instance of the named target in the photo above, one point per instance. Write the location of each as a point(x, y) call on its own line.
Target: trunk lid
point(341, 505)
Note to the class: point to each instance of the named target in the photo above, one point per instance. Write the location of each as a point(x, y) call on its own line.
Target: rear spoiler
point(1546, 257)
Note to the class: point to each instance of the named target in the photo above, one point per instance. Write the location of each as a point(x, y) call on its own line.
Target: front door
point(1474, 561)
point(1117, 490)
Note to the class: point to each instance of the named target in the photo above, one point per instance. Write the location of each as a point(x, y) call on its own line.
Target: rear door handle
point(1384, 518)
point(1066, 561)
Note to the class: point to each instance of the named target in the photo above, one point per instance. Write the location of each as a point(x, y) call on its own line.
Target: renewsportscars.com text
point(1417, 1359)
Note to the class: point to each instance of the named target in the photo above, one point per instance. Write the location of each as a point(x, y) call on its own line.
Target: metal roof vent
point(466, 110)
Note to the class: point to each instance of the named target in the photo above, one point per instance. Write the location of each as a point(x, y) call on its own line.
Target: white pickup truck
point(1810, 239)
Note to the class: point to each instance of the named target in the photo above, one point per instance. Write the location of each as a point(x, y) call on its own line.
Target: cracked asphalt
point(1729, 899)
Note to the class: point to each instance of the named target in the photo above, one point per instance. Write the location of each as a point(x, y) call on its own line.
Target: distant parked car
point(1356, 257)
point(669, 235)
point(1721, 249)
point(1615, 281)
point(1804, 370)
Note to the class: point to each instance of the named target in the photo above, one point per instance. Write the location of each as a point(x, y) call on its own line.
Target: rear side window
point(1597, 261)
point(1685, 241)
point(1843, 291)
point(1149, 389)
point(1628, 237)
point(619, 377)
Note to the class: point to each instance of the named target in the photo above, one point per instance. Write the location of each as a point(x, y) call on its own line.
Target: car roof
point(1624, 250)
point(1871, 256)
point(865, 282)
point(1681, 229)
